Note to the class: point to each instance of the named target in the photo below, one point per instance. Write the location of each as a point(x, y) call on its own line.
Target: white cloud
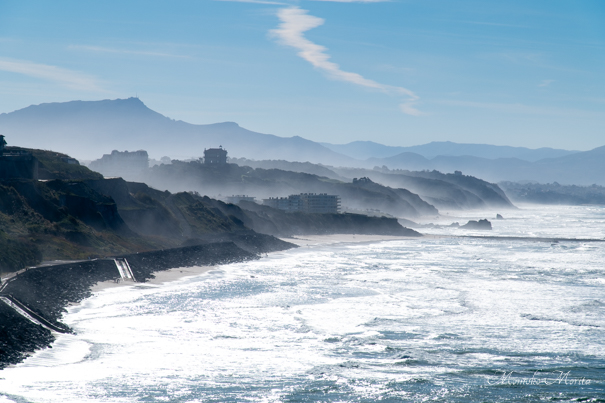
point(546, 83)
point(295, 22)
point(409, 109)
point(68, 78)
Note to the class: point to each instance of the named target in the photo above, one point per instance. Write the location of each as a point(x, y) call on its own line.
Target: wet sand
point(161, 277)
point(166, 276)
point(322, 240)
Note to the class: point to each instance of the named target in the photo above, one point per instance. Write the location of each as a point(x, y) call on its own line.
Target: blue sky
point(400, 72)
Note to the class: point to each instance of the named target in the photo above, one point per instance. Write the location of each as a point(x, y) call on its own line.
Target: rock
point(499, 217)
point(479, 225)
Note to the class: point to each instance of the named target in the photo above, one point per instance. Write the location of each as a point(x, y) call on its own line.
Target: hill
point(582, 168)
point(444, 191)
point(264, 183)
point(65, 218)
point(88, 129)
point(368, 149)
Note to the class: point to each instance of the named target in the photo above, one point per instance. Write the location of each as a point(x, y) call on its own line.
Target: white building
point(306, 202)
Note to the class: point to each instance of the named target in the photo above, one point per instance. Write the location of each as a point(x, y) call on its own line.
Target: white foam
point(342, 313)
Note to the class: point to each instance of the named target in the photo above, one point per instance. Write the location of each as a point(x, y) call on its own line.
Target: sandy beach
point(166, 276)
point(321, 240)
point(161, 277)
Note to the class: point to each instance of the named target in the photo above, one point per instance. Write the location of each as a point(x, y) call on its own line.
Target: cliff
point(264, 183)
point(65, 218)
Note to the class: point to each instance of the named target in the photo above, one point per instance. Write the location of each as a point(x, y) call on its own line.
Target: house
point(306, 202)
point(215, 156)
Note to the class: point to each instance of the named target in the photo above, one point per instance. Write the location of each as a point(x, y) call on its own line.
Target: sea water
point(439, 319)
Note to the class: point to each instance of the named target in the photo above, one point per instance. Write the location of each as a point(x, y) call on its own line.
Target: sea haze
point(441, 318)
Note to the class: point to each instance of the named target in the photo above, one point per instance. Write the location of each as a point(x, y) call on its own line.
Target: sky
point(399, 72)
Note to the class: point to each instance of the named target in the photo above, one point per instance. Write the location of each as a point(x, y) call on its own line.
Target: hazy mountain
point(368, 149)
point(582, 168)
point(404, 160)
point(88, 129)
point(554, 193)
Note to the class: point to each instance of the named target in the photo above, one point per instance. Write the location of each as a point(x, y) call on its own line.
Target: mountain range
point(88, 129)
point(364, 150)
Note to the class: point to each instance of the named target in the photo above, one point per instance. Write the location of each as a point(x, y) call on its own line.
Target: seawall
point(48, 290)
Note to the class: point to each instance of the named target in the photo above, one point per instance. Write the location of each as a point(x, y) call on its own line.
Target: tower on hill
point(215, 156)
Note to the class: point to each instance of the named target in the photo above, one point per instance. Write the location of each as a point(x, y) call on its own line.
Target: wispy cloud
point(68, 78)
point(546, 83)
point(295, 22)
point(125, 51)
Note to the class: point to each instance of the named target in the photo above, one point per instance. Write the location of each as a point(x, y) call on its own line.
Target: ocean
point(442, 318)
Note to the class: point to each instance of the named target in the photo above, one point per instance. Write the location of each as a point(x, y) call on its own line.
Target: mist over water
point(433, 319)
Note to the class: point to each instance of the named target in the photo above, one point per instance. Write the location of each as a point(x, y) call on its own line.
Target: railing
point(124, 269)
point(30, 315)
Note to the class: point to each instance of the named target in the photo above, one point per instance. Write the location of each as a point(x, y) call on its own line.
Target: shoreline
point(48, 290)
point(34, 300)
point(315, 241)
point(333, 239)
point(160, 277)
point(302, 241)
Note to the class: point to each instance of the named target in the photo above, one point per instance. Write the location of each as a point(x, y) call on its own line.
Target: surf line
point(124, 270)
point(30, 315)
point(528, 238)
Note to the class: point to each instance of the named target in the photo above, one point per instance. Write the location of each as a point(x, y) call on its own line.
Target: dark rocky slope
point(48, 290)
